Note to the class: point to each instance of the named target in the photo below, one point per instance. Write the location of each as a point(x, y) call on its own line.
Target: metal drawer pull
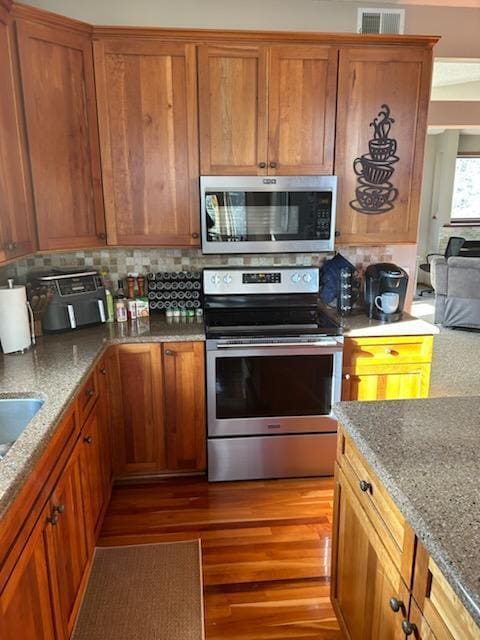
point(88, 439)
point(52, 519)
point(59, 508)
point(365, 486)
point(90, 393)
point(408, 627)
point(396, 605)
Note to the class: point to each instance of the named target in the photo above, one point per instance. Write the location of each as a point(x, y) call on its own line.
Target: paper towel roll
point(14, 320)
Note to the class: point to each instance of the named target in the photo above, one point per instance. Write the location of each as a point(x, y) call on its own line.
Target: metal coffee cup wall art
point(375, 193)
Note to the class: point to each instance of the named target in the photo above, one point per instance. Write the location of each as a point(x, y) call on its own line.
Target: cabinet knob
point(8, 246)
point(273, 165)
point(52, 519)
point(90, 393)
point(365, 486)
point(396, 605)
point(88, 439)
point(168, 352)
point(59, 508)
point(103, 371)
point(262, 165)
point(346, 376)
point(102, 236)
point(408, 627)
point(195, 235)
point(389, 350)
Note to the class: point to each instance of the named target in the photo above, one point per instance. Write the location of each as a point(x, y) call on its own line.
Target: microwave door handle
point(101, 310)
point(71, 316)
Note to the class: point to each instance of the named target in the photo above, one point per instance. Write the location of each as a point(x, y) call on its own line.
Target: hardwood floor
point(265, 545)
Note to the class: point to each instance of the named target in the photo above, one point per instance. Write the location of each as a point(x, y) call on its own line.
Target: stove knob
point(296, 278)
point(227, 279)
point(307, 277)
point(215, 279)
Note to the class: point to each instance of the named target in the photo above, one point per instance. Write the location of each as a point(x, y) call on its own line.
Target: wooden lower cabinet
point(364, 576)
point(393, 368)
point(26, 607)
point(157, 407)
point(184, 378)
point(69, 544)
point(367, 572)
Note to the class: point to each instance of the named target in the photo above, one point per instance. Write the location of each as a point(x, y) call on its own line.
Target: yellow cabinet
point(386, 368)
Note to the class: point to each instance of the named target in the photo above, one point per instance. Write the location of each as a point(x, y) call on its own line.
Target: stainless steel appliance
point(274, 365)
point(78, 299)
point(385, 277)
point(267, 214)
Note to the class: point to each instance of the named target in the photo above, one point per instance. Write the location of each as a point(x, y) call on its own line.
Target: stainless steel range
point(273, 373)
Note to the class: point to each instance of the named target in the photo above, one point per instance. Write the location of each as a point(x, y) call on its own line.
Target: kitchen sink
point(15, 414)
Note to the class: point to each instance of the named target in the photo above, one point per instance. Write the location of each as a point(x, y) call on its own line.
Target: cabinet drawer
point(87, 396)
point(443, 611)
point(364, 352)
point(389, 523)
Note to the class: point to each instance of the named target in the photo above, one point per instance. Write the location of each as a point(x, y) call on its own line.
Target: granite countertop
point(358, 325)
point(427, 454)
point(53, 370)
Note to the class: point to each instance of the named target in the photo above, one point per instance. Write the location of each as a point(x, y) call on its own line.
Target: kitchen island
point(406, 546)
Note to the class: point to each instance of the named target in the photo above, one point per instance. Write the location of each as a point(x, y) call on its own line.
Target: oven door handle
point(279, 345)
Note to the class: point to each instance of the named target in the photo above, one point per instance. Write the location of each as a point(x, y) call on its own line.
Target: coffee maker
point(381, 278)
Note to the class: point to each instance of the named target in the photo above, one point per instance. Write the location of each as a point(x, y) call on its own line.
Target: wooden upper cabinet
point(233, 109)
point(184, 377)
point(378, 201)
point(17, 227)
point(147, 109)
point(267, 110)
point(59, 97)
point(301, 109)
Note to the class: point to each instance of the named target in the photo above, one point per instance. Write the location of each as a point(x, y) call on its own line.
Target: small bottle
point(121, 310)
point(107, 283)
point(120, 293)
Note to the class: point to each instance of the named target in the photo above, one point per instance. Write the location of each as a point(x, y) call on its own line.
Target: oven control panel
point(258, 280)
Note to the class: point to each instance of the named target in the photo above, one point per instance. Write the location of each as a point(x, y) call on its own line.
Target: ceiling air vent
point(381, 20)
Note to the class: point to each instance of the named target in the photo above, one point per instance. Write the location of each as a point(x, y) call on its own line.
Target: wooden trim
point(5, 7)
point(48, 18)
point(254, 36)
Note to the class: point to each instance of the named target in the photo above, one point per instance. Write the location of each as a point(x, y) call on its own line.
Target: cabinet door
point(95, 474)
point(147, 106)
point(391, 382)
point(381, 204)
point(17, 228)
point(69, 543)
point(135, 383)
point(185, 405)
point(233, 109)
point(302, 93)
point(364, 578)
point(26, 608)
point(59, 95)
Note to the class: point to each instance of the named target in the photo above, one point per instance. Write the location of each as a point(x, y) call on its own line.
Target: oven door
point(263, 215)
point(272, 389)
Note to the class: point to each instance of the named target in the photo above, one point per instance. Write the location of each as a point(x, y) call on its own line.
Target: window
point(466, 190)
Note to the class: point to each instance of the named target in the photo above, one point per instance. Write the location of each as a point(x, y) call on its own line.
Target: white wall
point(459, 27)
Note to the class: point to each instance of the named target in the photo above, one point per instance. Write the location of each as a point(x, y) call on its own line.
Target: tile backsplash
point(119, 262)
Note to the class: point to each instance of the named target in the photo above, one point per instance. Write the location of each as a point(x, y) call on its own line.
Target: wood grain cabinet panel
point(232, 109)
point(59, 96)
point(17, 227)
point(185, 405)
point(26, 607)
point(135, 380)
point(301, 109)
point(368, 78)
point(267, 110)
point(147, 106)
point(364, 578)
point(70, 545)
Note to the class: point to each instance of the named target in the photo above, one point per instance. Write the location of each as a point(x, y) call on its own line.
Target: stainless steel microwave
point(268, 214)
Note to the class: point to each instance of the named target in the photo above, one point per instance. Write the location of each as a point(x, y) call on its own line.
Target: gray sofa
point(457, 291)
